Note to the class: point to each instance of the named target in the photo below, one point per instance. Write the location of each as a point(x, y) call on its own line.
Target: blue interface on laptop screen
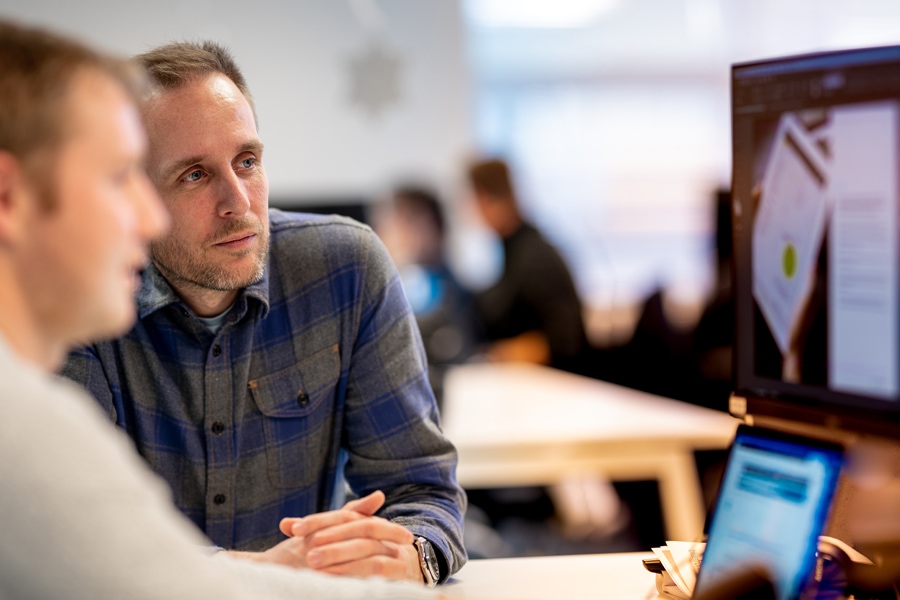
point(772, 506)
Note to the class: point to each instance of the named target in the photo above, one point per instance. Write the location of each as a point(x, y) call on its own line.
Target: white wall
point(296, 56)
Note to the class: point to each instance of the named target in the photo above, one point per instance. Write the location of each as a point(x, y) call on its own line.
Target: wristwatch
point(428, 562)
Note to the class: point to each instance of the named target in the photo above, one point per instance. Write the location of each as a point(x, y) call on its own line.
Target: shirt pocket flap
point(300, 388)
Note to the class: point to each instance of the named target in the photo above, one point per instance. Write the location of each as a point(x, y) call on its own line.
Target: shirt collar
point(155, 292)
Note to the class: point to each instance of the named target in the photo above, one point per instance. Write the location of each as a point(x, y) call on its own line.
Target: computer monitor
point(816, 223)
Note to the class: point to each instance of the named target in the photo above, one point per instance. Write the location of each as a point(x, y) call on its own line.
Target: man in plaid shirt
point(275, 357)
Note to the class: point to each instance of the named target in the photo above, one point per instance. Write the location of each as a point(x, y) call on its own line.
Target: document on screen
point(863, 250)
point(789, 227)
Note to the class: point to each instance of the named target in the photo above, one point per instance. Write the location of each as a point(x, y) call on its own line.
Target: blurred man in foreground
point(275, 356)
point(80, 514)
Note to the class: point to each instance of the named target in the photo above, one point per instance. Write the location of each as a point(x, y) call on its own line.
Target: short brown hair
point(176, 64)
point(421, 201)
point(37, 69)
point(492, 177)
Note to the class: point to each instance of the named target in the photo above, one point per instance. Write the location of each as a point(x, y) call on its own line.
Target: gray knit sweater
point(81, 516)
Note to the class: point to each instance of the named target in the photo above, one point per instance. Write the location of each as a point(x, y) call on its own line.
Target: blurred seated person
point(413, 227)
point(713, 339)
point(677, 357)
point(533, 313)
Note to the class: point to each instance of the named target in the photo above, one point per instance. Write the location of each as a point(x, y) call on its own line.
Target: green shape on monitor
point(789, 261)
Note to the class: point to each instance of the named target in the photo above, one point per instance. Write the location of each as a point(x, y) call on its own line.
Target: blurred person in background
point(712, 340)
point(533, 313)
point(690, 361)
point(412, 224)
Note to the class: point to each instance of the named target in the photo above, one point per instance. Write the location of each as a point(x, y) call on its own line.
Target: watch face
point(431, 561)
point(428, 561)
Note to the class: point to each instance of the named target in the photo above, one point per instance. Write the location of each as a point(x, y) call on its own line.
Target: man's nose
point(233, 199)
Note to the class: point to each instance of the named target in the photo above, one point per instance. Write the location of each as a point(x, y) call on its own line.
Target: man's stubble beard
point(183, 266)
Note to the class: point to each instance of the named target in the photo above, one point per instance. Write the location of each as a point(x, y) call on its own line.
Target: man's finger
point(367, 505)
point(374, 566)
point(286, 525)
point(367, 528)
point(290, 552)
point(319, 521)
point(348, 551)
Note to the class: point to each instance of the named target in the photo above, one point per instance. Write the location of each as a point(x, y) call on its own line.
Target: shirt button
point(302, 398)
point(218, 428)
point(219, 499)
point(217, 351)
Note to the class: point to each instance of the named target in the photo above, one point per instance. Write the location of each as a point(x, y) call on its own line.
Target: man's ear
point(14, 190)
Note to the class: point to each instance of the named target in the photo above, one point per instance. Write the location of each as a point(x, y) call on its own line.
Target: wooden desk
point(584, 577)
point(523, 424)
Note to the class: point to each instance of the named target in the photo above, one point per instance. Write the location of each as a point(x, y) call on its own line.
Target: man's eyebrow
point(180, 166)
point(253, 146)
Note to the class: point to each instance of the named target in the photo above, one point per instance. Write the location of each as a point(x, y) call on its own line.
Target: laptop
point(772, 506)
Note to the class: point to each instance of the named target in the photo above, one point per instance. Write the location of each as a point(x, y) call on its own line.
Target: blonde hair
point(176, 64)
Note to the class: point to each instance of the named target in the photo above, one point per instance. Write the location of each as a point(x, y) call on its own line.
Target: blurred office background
point(613, 113)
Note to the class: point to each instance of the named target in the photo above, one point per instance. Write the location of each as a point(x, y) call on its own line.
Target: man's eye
point(193, 176)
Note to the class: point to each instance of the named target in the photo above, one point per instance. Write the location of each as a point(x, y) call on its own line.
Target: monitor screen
point(815, 191)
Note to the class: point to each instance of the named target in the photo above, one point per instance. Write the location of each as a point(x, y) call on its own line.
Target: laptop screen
point(772, 505)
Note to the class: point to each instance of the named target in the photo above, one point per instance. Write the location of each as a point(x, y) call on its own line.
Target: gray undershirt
point(214, 324)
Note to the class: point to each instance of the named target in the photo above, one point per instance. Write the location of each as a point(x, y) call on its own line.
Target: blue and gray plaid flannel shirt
point(318, 370)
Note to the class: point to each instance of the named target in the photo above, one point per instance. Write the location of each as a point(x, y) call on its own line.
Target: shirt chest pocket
point(297, 406)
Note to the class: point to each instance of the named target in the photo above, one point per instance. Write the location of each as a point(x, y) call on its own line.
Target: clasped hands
point(347, 541)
